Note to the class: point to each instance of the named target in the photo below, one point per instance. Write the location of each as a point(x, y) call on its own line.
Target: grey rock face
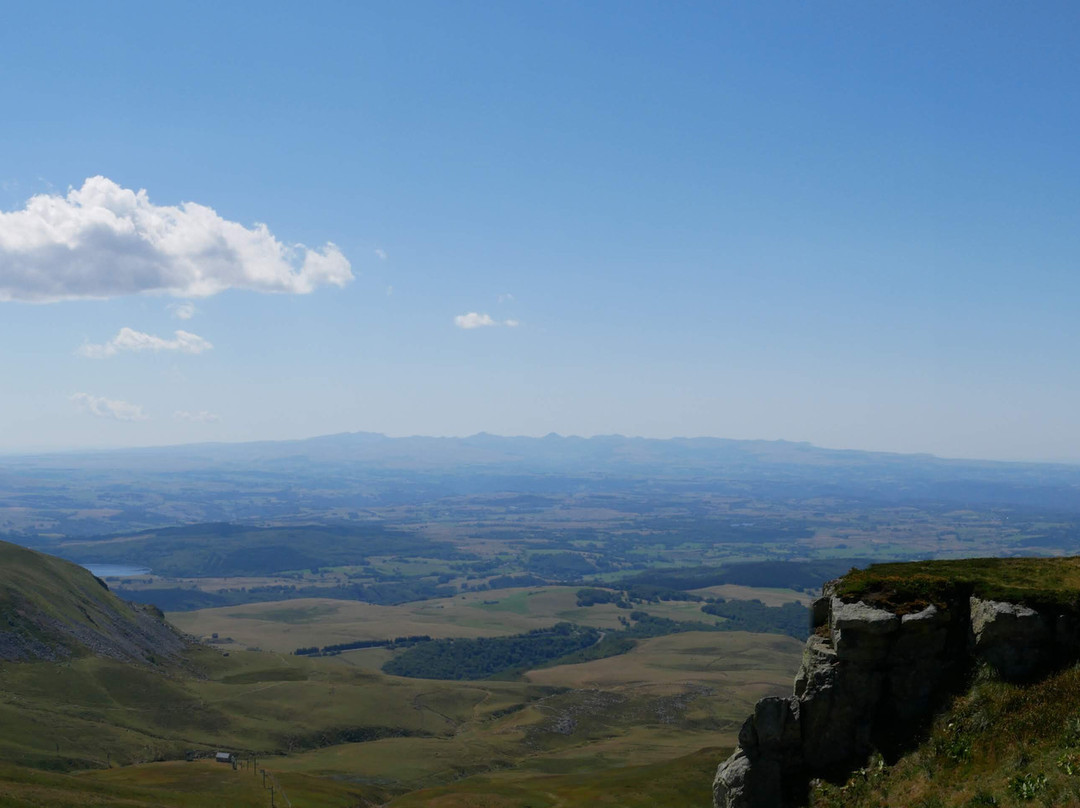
point(730, 783)
point(913, 660)
point(816, 671)
point(1013, 639)
point(867, 677)
point(861, 632)
point(864, 619)
point(819, 611)
point(776, 723)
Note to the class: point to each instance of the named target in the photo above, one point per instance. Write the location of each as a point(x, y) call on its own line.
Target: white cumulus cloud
point(109, 408)
point(103, 240)
point(202, 416)
point(128, 339)
point(475, 320)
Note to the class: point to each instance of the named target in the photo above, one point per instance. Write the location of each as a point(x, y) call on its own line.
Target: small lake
point(115, 570)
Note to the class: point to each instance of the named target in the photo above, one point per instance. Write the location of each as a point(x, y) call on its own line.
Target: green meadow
point(86, 729)
point(335, 732)
point(286, 626)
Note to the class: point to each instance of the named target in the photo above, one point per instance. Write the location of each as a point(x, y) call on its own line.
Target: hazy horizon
point(74, 450)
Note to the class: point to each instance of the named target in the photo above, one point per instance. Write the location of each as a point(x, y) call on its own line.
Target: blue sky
point(853, 224)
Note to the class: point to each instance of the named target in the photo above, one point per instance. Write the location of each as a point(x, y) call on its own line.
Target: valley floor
point(643, 728)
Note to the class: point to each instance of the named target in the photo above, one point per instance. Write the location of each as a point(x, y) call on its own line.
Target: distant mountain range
point(551, 453)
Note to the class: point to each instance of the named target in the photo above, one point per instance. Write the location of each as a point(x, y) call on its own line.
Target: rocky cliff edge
point(871, 678)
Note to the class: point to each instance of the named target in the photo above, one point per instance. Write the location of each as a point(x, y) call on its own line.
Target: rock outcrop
point(871, 679)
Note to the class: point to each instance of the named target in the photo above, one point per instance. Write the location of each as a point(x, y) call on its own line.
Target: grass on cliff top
point(997, 745)
point(1051, 582)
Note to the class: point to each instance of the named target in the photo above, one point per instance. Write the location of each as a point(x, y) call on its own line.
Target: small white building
point(224, 757)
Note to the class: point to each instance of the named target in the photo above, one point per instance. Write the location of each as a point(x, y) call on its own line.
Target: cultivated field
point(768, 596)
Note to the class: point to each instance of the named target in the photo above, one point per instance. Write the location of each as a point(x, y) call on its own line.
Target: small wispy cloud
point(182, 311)
point(507, 298)
point(128, 339)
point(380, 254)
point(201, 417)
point(475, 320)
point(102, 407)
point(389, 291)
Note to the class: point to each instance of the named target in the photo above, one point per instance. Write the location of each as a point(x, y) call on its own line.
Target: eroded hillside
point(51, 609)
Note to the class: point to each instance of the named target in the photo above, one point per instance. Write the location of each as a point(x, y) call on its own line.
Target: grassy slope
point(88, 711)
point(681, 783)
point(682, 693)
point(93, 707)
point(168, 785)
point(999, 744)
point(91, 711)
point(34, 586)
point(57, 586)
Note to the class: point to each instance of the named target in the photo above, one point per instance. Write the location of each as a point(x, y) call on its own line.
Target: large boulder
point(1015, 640)
point(861, 633)
point(776, 724)
point(731, 784)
